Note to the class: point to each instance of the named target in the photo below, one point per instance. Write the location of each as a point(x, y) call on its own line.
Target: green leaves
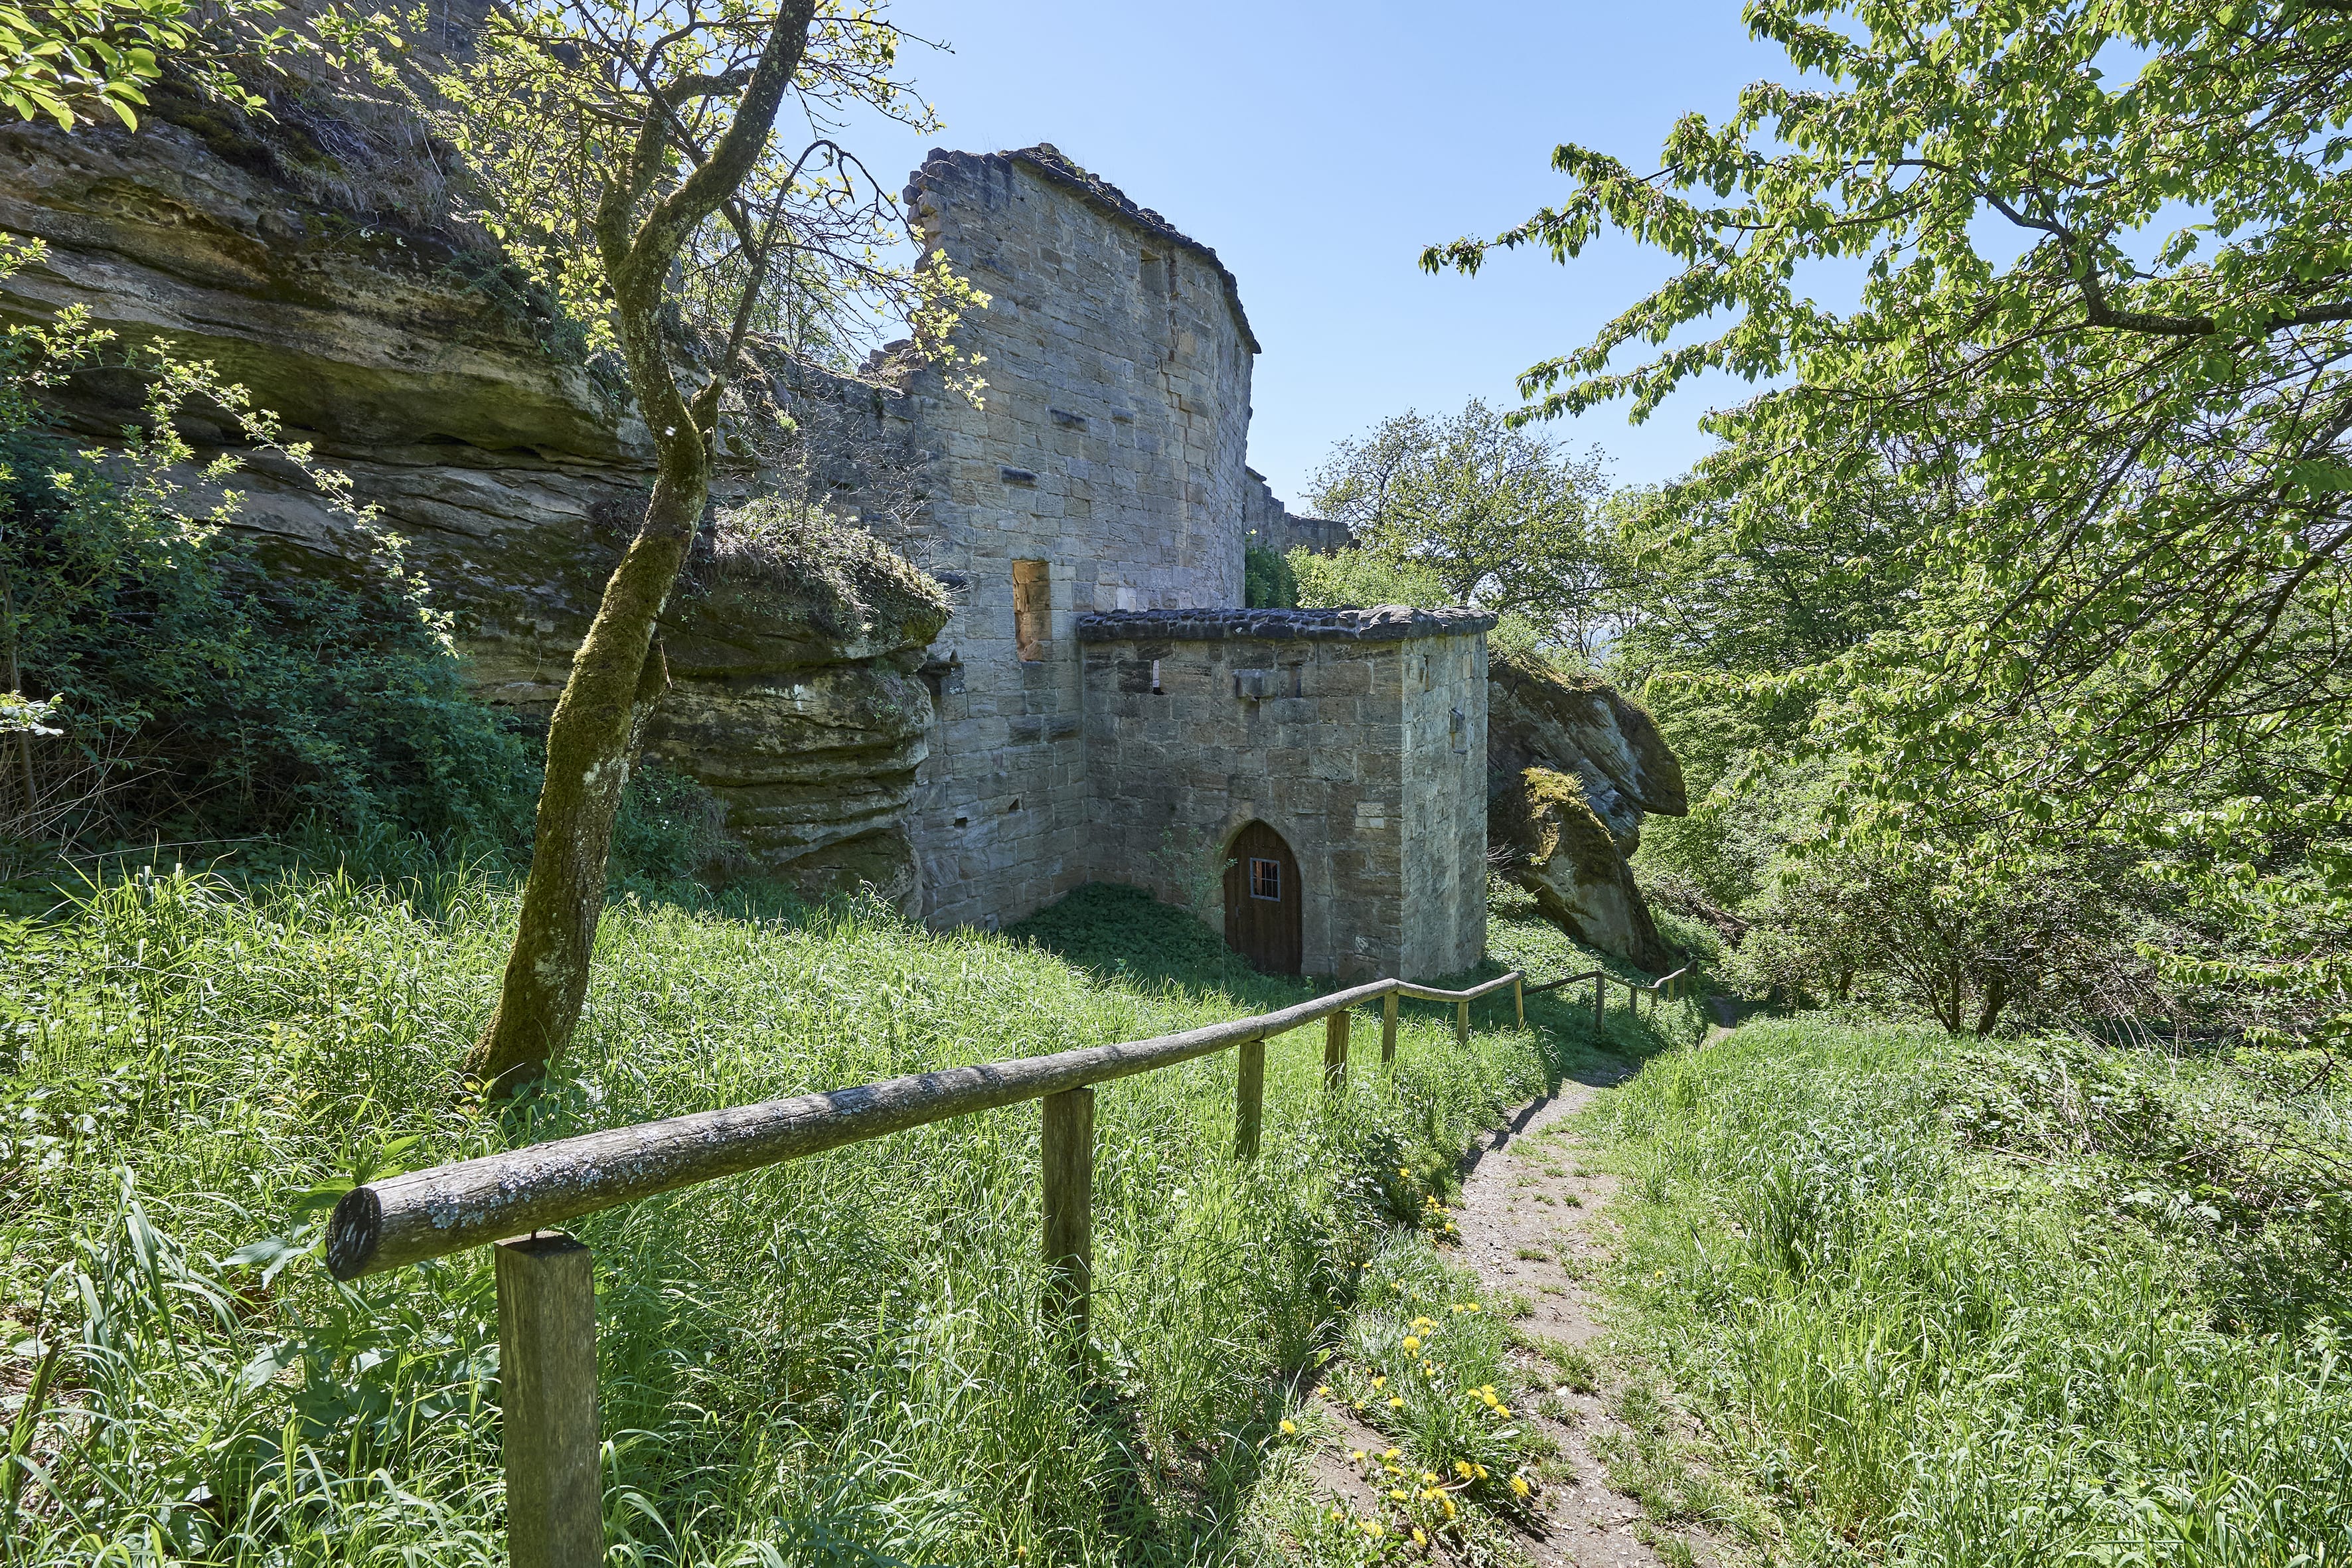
point(1468, 508)
point(66, 60)
point(2121, 436)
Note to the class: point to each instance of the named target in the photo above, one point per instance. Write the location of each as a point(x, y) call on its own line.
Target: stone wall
point(1337, 729)
point(1444, 704)
point(1267, 524)
point(1109, 448)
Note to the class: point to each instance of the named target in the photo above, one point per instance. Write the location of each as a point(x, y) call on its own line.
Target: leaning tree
point(626, 154)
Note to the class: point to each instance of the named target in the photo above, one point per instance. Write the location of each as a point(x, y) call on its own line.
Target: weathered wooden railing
point(546, 1285)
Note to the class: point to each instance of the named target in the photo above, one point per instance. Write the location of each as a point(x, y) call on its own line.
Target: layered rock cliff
point(1574, 767)
point(515, 472)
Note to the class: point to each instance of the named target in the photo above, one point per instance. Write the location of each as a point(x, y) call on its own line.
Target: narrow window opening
point(1015, 806)
point(1297, 679)
point(1033, 610)
point(1156, 689)
point(963, 822)
point(1266, 879)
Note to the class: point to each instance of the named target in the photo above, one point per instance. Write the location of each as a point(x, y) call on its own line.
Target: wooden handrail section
point(407, 1219)
point(546, 1310)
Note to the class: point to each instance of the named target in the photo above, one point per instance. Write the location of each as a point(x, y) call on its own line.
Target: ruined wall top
point(1384, 623)
point(1098, 193)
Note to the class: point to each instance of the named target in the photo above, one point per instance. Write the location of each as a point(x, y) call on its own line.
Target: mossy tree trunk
point(617, 674)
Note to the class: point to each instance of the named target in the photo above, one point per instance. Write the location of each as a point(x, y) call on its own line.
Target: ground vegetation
point(1939, 1302)
point(835, 1360)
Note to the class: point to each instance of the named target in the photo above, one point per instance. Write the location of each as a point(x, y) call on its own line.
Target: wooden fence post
point(1519, 997)
point(1461, 1022)
point(1388, 1028)
point(1068, 1147)
point(1249, 1100)
point(547, 1376)
point(1600, 1003)
point(1335, 1052)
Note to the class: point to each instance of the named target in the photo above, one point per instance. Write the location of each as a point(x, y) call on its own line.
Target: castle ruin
point(1097, 707)
point(1105, 708)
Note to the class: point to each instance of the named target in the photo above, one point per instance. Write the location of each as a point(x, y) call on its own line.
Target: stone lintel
point(1385, 623)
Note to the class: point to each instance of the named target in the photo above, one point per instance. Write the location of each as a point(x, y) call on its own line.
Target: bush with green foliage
point(195, 685)
point(1267, 581)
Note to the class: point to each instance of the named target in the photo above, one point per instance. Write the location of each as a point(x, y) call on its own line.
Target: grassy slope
point(2023, 1303)
point(831, 1359)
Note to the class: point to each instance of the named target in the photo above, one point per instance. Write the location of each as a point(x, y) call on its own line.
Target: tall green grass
point(2035, 1303)
point(840, 1360)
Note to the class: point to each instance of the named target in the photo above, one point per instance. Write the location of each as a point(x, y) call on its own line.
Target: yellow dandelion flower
point(1396, 1403)
point(1481, 1469)
point(1406, 1172)
point(1380, 1382)
point(1411, 1342)
point(1504, 1411)
point(1420, 1537)
point(1430, 1476)
point(1393, 1454)
point(1447, 1503)
point(1290, 1428)
point(1337, 1514)
point(1322, 1390)
point(1356, 1454)
point(1372, 1528)
point(1398, 1493)
point(1462, 1468)
point(1519, 1485)
point(1358, 1407)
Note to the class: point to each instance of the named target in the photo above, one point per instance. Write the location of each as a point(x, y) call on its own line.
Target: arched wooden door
point(1262, 899)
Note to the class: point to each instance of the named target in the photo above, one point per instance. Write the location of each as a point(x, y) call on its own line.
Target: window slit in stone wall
point(1033, 610)
point(1156, 690)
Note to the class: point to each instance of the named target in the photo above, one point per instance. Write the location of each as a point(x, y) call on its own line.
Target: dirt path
point(1531, 1225)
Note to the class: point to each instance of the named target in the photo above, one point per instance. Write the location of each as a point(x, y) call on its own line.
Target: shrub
point(1267, 581)
point(192, 680)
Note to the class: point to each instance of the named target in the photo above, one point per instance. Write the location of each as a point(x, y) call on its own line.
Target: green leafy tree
point(626, 154)
point(2107, 300)
point(65, 60)
point(1493, 513)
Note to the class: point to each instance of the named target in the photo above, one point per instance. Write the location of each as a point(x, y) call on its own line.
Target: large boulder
point(513, 465)
point(1574, 768)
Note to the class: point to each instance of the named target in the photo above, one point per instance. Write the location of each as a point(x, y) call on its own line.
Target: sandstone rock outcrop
point(512, 468)
point(1573, 767)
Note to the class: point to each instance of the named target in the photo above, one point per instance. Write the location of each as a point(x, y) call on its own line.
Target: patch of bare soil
point(1533, 1225)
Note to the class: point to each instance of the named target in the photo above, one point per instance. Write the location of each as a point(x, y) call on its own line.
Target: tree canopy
point(1494, 514)
point(2106, 253)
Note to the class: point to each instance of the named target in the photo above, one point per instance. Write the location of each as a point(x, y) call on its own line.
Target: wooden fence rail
point(547, 1323)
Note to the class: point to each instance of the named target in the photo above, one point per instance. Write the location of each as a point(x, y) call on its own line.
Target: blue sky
point(1318, 147)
